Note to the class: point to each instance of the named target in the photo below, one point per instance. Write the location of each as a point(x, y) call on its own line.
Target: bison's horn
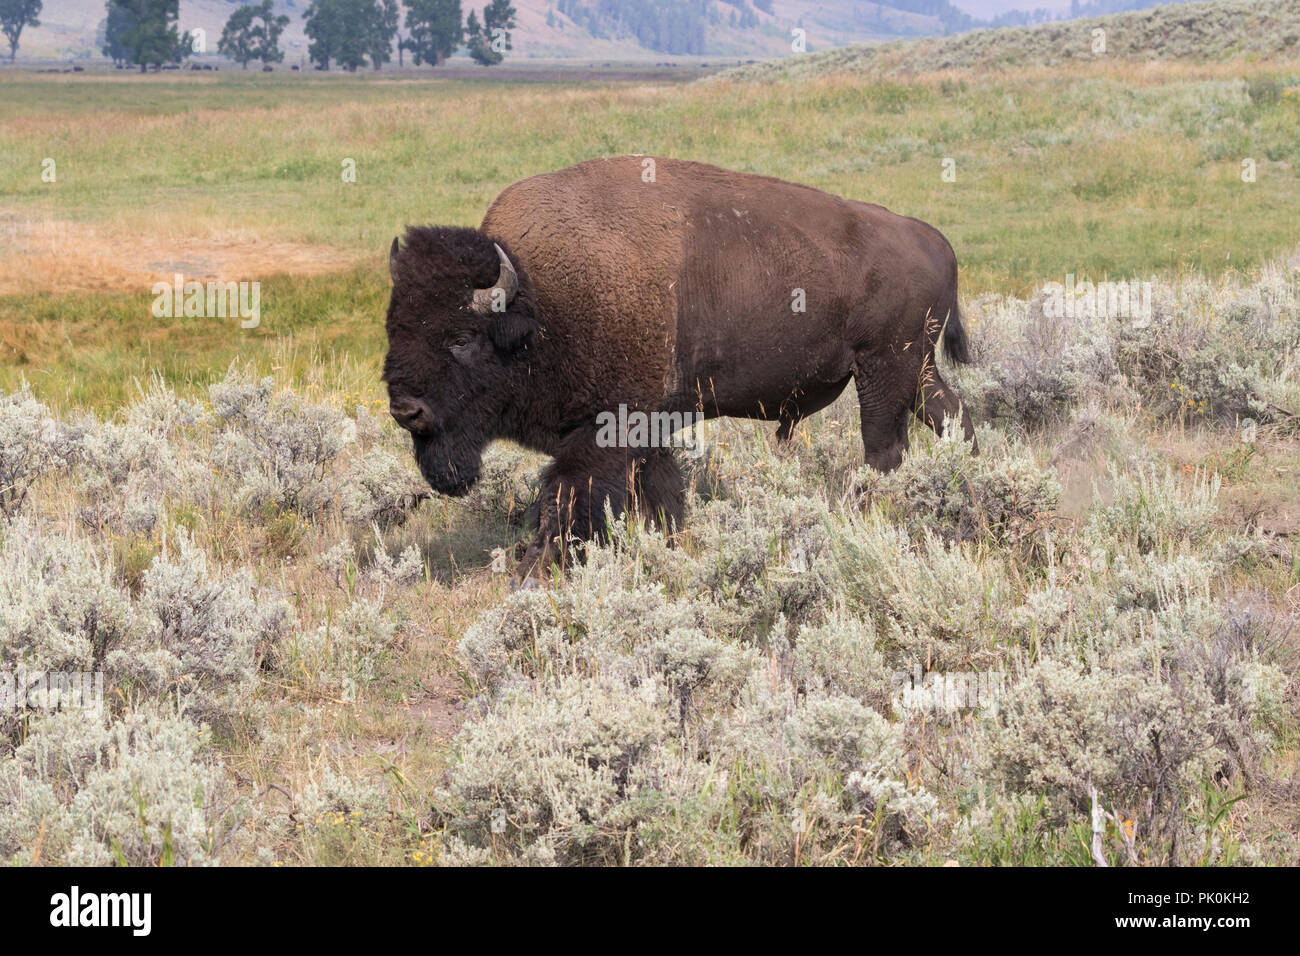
point(392, 259)
point(507, 282)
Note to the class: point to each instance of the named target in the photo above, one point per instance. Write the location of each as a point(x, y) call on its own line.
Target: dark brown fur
point(666, 295)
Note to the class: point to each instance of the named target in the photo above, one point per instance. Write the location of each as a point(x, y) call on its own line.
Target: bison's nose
point(413, 414)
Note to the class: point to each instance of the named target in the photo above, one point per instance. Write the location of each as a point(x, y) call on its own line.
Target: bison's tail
point(955, 344)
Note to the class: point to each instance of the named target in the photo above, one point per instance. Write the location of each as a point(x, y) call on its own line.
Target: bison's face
point(454, 350)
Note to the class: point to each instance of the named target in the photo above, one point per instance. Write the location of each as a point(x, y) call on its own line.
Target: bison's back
point(668, 271)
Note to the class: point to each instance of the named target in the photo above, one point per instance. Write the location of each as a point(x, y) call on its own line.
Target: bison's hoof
point(527, 584)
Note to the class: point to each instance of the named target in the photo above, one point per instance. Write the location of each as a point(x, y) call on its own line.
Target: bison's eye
point(464, 347)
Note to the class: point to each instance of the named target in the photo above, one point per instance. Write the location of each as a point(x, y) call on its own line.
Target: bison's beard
point(449, 468)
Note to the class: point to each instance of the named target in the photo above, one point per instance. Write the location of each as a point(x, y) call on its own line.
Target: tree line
point(351, 33)
point(348, 34)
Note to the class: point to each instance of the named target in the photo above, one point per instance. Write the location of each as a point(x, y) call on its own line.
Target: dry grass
point(46, 254)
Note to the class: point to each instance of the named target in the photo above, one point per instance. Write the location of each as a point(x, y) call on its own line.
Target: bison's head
point(460, 323)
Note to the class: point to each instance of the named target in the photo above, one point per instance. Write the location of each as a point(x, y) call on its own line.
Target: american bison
point(662, 286)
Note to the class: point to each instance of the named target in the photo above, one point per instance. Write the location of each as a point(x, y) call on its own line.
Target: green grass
point(89, 349)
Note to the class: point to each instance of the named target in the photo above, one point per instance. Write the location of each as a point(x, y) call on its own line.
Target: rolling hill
point(1219, 29)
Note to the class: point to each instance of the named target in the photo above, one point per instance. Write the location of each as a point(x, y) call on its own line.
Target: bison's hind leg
point(884, 409)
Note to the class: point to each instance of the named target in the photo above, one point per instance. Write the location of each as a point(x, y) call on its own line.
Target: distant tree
point(183, 48)
point(353, 44)
point(244, 39)
point(499, 15)
point(237, 39)
point(435, 30)
point(112, 29)
point(321, 29)
point(474, 39)
point(489, 41)
point(272, 26)
point(339, 31)
point(149, 36)
point(14, 15)
point(382, 29)
point(764, 5)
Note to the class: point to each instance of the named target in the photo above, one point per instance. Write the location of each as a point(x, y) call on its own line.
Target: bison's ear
point(512, 331)
point(392, 259)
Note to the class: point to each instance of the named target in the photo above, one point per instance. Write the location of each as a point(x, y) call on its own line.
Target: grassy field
point(359, 686)
point(1121, 171)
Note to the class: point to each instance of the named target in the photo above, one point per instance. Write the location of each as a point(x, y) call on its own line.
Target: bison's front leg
point(659, 489)
point(576, 490)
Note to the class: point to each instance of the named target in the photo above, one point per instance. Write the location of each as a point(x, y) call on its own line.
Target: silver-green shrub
point(1145, 726)
point(32, 444)
point(1152, 510)
point(282, 448)
point(143, 790)
point(933, 601)
point(202, 637)
point(614, 717)
point(61, 610)
point(1001, 496)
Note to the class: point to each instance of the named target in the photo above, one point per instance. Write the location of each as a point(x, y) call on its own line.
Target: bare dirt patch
point(442, 710)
